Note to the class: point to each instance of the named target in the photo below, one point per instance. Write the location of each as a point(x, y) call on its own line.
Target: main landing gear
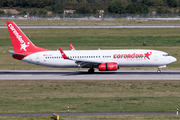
point(158, 71)
point(91, 70)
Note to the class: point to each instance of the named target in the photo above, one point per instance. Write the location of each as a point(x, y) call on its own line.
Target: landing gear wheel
point(158, 71)
point(91, 70)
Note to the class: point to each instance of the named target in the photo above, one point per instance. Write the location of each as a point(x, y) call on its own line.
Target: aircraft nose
point(173, 59)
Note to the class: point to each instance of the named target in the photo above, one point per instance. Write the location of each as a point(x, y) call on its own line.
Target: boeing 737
point(103, 60)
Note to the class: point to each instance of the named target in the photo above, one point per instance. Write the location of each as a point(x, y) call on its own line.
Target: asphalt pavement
point(95, 26)
point(83, 75)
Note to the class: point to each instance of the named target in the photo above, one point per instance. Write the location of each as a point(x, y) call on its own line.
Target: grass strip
point(91, 22)
point(89, 96)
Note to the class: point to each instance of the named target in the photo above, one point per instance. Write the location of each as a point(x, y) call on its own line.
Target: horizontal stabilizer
point(18, 54)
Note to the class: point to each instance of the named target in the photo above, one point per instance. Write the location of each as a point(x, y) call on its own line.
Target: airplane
point(103, 60)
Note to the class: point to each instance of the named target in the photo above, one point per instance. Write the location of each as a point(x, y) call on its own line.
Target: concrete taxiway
point(95, 26)
point(99, 113)
point(83, 75)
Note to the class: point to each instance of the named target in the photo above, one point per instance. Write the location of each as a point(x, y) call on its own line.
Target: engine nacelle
point(110, 66)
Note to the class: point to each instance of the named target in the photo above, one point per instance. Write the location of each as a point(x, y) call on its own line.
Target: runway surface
point(95, 26)
point(83, 75)
point(103, 113)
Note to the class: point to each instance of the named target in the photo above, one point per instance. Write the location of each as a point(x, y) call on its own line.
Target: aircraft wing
point(80, 62)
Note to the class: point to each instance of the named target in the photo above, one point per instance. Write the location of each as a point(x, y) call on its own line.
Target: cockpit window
point(166, 55)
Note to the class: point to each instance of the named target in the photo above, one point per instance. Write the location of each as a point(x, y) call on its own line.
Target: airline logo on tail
point(19, 37)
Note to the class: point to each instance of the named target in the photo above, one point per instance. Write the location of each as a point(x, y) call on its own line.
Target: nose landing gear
point(158, 71)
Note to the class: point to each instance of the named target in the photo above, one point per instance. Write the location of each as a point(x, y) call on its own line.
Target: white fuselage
point(124, 58)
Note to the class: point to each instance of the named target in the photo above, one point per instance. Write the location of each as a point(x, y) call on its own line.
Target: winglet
point(63, 54)
point(72, 48)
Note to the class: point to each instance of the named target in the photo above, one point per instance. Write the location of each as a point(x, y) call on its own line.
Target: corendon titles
point(19, 37)
point(16, 33)
point(133, 56)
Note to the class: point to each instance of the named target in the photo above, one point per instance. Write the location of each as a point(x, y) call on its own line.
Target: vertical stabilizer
point(20, 41)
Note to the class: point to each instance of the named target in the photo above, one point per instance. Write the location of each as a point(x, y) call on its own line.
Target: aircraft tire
point(158, 71)
point(91, 70)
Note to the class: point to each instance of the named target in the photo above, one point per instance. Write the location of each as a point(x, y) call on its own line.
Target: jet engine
point(110, 66)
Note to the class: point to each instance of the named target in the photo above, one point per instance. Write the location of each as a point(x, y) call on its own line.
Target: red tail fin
point(20, 41)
